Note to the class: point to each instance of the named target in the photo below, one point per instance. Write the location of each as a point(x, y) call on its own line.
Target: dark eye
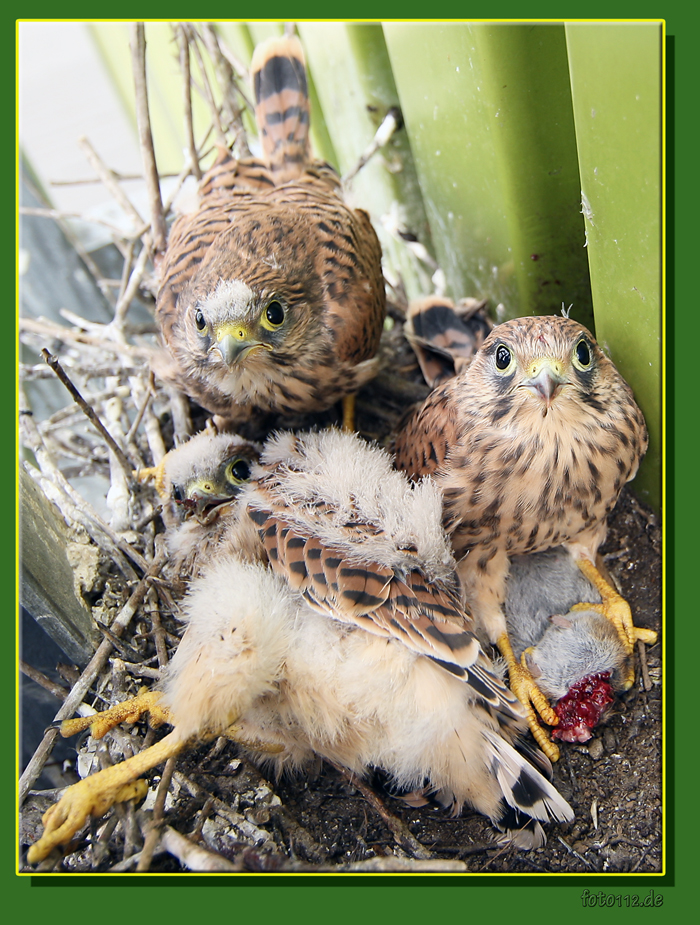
point(177, 494)
point(503, 357)
point(199, 320)
point(274, 314)
point(238, 471)
point(583, 353)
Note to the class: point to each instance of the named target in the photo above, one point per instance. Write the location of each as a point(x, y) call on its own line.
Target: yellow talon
point(528, 693)
point(129, 711)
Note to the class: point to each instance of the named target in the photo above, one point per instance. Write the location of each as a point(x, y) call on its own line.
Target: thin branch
point(143, 119)
point(82, 686)
point(184, 48)
point(110, 180)
point(90, 413)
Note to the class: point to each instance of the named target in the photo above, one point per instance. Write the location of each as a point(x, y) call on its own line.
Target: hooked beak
point(205, 506)
point(546, 379)
point(234, 343)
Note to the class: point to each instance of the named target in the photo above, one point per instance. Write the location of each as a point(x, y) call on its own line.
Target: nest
point(212, 810)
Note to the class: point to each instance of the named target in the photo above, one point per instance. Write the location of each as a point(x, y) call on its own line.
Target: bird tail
point(527, 796)
point(278, 73)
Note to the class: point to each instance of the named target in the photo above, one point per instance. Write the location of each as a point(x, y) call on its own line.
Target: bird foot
point(127, 712)
point(531, 697)
point(157, 473)
point(89, 797)
point(614, 608)
point(94, 795)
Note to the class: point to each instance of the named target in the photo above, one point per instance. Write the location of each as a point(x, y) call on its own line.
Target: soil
point(325, 821)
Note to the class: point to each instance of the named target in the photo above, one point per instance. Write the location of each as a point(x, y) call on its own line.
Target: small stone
point(596, 749)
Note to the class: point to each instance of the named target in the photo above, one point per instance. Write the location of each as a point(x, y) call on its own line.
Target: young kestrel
point(271, 294)
point(329, 624)
point(531, 445)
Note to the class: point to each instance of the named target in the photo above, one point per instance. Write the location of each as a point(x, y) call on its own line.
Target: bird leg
point(528, 693)
point(95, 794)
point(129, 711)
point(126, 712)
point(616, 609)
point(157, 473)
point(349, 413)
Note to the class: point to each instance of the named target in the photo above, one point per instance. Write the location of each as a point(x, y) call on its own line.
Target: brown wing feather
point(427, 618)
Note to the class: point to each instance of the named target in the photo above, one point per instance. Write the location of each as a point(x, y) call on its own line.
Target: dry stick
point(133, 284)
point(59, 692)
point(391, 123)
point(82, 686)
point(57, 215)
point(187, 98)
point(229, 88)
point(143, 118)
point(46, 328)
point(396, 826)
point(79, 510)
point(194, 857)
point(94, 419)
point(642, 652)
point(109, 178)
point(153, 831)
point(193, 39)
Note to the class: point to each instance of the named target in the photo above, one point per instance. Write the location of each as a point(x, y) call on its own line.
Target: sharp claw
point(129, 711)
point(528, 693)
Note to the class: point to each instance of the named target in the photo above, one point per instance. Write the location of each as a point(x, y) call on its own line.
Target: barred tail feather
point(278, 73)
point(527, 795)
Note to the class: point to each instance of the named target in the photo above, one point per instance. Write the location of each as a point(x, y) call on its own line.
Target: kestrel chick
point(531, 445)
point(271, 293)
point(330, 624)
point(203, 477)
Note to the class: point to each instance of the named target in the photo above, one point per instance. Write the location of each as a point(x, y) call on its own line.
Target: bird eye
point(503, 357)
point(274, 313)
point(199, 320)
point(177, 494)
point(238, 471)
point(583, 353)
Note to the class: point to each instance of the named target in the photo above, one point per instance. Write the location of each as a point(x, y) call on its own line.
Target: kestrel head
point(546, 365)
point(207, 473)
point(253, 306)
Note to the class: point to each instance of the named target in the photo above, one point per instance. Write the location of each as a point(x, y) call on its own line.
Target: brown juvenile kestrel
point(271, 294)
point(329, 624)
point(531, 445)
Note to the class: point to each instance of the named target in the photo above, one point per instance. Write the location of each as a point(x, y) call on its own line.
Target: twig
point(47, 328)
point(59, 692)
point(642, 652)
point(396, 826)
point(184, 47)
point(132, 287)
point(153, 830)
point(208, 93)
point(391, 123)
point(143, 119)
point(195, 857)
point(110, 180)
point(72, 506)
point(229, 88)
point(90, 413)
point(82, 686)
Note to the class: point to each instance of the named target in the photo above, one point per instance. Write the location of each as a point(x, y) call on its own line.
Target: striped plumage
point(531, 446)
point(271, 294)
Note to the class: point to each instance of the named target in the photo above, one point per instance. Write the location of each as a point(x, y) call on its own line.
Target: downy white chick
point(330, 623)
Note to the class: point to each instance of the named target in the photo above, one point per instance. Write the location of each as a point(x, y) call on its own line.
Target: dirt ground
point(234, 819)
